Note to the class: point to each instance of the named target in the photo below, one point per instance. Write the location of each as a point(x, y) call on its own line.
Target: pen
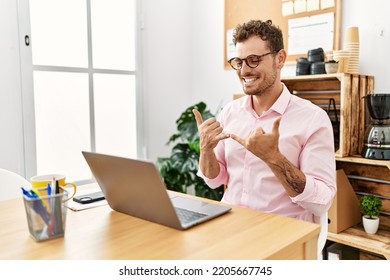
point(26, 193)
point(38, 193)
point(55, 218)
point(58, 211)
point(48, 189)
point(37, 205)
point(34, 194)
point(41, 210)
point(54, 185)
point(57, 187)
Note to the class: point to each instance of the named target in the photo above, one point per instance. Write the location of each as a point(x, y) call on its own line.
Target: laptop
point(135, 187)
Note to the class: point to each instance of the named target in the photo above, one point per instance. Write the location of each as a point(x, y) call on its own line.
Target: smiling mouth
point(249, 80)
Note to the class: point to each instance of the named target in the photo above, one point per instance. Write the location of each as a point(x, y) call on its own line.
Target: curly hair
point(263, 29)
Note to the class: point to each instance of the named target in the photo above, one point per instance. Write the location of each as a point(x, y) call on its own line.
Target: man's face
point(256, 81)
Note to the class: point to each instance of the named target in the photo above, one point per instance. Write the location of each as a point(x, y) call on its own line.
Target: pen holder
point(46, 215)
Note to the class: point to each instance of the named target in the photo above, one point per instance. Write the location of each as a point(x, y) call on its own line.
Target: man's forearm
point(292, 179)
point(208, 164)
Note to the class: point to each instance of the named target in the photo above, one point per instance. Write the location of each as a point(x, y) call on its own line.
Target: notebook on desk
point(135, 187)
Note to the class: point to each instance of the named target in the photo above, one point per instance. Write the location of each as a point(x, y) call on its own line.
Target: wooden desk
point(101, 233)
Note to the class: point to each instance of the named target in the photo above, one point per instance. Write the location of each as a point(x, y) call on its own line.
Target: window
point(84, 80)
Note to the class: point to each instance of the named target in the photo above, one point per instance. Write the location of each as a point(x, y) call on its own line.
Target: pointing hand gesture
point(262, 144)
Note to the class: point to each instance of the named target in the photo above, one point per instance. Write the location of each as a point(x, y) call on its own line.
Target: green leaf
point(173, 179)
point(184, 159)
point(195, 146)
point(370, 205)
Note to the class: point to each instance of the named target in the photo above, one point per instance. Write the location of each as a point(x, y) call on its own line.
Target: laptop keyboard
point(187, 216)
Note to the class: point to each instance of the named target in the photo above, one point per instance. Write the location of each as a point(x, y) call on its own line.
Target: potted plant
point(179, 169)
point(370, 207)
point(331, 66)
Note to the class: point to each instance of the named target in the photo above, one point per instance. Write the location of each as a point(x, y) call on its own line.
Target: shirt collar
point(280, 104)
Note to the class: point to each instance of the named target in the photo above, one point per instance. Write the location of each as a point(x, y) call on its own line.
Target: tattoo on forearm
point(295, 181)
point(291, 177)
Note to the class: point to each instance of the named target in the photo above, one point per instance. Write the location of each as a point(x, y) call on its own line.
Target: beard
point(264, 86)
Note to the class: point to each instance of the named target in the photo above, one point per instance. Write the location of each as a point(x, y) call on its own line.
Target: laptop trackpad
point(196, 205)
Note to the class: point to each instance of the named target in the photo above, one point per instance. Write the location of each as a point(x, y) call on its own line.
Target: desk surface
point(101, 233)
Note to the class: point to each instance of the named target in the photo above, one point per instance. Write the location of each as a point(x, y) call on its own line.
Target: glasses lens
point(236, 63)
point(253, 61)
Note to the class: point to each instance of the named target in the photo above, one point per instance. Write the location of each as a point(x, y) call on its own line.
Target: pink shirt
point(306, 140)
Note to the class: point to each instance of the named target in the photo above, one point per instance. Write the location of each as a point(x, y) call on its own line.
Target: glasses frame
point(246, 62)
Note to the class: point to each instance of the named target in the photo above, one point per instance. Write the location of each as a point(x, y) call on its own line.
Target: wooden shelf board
point(314, 77)
point(361, 160)
point(378, 243)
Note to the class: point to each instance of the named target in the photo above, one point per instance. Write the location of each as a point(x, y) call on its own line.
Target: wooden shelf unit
point(347, 91)
point(379, 172)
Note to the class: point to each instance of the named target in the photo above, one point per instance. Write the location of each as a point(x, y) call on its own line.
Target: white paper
point(230, 48)
point(300, 6)
point(327, 4)
point(313, 5)
point(306, 33)
point(287, 8)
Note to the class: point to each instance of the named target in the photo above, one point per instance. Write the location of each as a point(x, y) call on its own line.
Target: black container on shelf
point(315, 55)
point(303, 66)
point(317, 68)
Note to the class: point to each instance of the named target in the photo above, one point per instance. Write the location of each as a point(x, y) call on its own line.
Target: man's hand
point(210, 132)
point(263, 145)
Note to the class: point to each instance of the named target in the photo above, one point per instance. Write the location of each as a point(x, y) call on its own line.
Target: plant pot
point(331, 68)
point(370, 225)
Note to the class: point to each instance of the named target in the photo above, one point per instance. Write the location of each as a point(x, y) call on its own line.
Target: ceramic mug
point(40, 183)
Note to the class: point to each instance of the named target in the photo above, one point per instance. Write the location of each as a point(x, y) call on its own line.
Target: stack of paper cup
point(342, 56)
point(351, 44)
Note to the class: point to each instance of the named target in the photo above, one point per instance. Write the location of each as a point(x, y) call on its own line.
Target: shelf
point(378, 243)
point(361, 160)
point(355, 236)
point(347, 91)
point(321, 77)
point(315, 77)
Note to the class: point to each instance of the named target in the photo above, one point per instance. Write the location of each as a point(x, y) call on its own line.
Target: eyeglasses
point(252, 60)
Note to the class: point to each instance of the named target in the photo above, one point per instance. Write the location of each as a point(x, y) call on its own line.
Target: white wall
point(183, 62)
point(166, 70)
point(210, 82)
point(373, 20)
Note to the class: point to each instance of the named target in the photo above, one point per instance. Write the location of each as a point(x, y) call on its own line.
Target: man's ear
point(281, 58)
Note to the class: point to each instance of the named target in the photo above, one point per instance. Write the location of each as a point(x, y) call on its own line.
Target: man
point(273, 150)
